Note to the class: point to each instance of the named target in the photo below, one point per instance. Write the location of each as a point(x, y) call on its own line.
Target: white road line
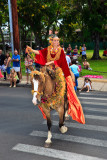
point(70, 138)
point(90, 116)
point(95, 109)
point(81, 126)
point(95, 103)
point(90, 93)
point(53, 153)
point(93, 98)
point(96, 117)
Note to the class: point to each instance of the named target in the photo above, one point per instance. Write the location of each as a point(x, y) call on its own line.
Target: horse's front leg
point(48, 141)
point(61, 112)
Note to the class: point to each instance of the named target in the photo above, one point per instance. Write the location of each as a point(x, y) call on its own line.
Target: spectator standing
point(2, 65)
point(75, 69)
point(16, 63)
point(80, 50)
point(84, 52)
point(8, 64)
point(69, 50)
point(68, 60)
point(28, 66)
point(63, 47)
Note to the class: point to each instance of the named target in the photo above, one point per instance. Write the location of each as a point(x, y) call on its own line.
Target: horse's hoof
point(63, 129)
point(47, 145)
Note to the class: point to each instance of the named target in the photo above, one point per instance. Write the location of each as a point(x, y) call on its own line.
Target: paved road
point(23, 130)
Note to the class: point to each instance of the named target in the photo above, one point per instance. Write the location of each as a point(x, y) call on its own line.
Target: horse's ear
point(43, 69)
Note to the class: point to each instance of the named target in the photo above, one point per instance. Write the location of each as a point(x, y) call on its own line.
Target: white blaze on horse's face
point(36, 83)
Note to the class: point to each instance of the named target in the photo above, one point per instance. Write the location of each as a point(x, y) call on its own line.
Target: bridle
point(40, 93)
point(32, 91)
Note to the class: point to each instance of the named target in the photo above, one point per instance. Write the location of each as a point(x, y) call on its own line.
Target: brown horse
point(43, 86)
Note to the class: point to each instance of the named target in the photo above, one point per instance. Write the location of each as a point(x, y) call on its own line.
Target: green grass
point(96, 65)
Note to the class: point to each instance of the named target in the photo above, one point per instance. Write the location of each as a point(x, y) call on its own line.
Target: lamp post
point(11, 25)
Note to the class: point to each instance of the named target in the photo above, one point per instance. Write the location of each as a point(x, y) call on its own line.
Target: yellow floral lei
point(57, 56)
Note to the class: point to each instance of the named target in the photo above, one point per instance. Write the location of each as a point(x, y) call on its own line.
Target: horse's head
point(38, 81)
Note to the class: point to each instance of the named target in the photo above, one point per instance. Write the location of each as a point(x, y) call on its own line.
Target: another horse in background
point(49, 92)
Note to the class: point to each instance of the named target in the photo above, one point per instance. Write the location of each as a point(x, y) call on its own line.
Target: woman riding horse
point(54, 55)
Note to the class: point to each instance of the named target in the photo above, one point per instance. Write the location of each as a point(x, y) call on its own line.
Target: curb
point(18, 85)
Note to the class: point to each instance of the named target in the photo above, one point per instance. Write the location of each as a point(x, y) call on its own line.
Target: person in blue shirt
point(16, 62)
point(75, 69)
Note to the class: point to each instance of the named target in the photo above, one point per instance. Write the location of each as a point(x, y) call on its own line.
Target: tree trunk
point(4, 48)
point(96, 48)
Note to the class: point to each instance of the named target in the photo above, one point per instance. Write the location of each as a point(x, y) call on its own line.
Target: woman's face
point(56, 42)
point(7, 55)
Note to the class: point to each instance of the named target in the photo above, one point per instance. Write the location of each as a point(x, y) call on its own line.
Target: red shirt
point(62, 63)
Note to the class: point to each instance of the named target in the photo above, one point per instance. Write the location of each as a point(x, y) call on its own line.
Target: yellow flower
point(43, 6)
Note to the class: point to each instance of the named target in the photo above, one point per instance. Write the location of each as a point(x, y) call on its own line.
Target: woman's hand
point(28, 49)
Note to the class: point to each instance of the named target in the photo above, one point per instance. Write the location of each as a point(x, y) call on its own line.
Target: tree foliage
point(38, 16)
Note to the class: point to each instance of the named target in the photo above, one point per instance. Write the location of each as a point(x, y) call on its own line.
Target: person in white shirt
point(68, 60)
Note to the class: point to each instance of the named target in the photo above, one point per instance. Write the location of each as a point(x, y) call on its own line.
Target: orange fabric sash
point(75, 108)
point(41, 109)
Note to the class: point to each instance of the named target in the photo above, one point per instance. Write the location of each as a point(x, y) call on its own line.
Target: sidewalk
point(97, 84)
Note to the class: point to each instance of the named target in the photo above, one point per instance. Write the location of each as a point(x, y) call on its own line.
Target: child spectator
point(28, 66)
point(13, 78)
point(87, 85)
point(8, 64)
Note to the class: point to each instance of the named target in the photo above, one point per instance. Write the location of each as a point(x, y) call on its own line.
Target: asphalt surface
point(23, 131)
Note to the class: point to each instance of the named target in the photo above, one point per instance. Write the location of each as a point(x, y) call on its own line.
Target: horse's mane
point(51, 73)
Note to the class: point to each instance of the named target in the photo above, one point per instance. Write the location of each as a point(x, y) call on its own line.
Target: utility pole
point(11, 25)
point(15, 25)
